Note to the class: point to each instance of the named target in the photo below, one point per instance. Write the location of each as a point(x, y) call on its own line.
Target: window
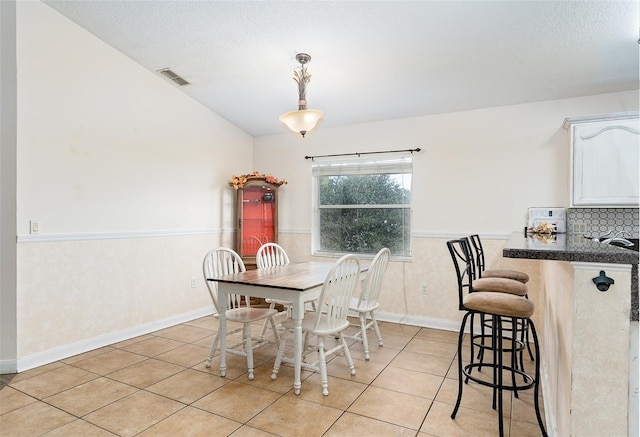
point(362, 204)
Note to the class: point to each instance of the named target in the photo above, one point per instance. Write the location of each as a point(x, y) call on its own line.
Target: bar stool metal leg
point(499, 347)
point(460, 381)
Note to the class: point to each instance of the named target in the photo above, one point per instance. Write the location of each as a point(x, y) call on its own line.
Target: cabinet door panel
point(606, 159)
point(257, 218)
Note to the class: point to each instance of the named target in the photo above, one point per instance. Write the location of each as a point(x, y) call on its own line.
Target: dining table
point(297, 283)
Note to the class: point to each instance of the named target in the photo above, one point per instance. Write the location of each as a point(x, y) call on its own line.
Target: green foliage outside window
point(363, 213)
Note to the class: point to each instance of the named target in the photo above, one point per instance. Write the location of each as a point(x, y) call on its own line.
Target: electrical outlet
point(424, 288)
point(579, 228)
point(34, 226)
point(193, 282)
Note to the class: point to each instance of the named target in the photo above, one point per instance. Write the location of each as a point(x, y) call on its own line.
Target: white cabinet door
point(606, 163)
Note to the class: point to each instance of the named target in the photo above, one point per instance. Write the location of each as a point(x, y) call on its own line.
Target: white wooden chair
point(367, 303)
point(269, 255)
point(330, 319)
point(224, 261)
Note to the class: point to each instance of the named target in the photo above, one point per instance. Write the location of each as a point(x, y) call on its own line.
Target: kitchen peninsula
point(588, 367)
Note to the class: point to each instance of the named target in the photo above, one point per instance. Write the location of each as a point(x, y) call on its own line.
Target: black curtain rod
point(362, 153)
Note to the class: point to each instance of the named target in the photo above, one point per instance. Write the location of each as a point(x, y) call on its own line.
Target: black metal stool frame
point(476, 250)
point(463, 255)
point(518, 345)
point(464, 266)
point(497, 384)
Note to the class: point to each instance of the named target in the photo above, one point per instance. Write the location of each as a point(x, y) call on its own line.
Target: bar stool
point(480, 266)
point(480, 272)
point(464, 263)
point(501, 301)
point(499, 306)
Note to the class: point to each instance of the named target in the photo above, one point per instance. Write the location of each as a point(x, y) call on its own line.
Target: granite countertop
point(574, 247)
point(566, 247)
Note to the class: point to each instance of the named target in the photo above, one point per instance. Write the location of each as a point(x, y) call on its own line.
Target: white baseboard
point(424, 322)
point(66, 351)
point(69, 350)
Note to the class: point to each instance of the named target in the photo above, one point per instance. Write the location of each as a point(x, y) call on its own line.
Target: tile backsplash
point(594, 222)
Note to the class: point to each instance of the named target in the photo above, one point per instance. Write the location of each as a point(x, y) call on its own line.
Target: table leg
point(297, 356)
point(298, 314)
point(222, 329)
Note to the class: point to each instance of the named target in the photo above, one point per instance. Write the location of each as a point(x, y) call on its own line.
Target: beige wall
point(585, 350)
point(557, 331)
point(478, 172)
point(105, 146)
point(402, 299)
point(127, 176)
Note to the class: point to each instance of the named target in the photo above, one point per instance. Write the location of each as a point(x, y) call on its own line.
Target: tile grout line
point(184, 367)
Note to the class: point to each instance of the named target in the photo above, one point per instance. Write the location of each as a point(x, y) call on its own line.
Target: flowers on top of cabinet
point(238, 181)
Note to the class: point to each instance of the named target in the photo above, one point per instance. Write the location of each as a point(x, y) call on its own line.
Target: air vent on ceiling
point(169, 74)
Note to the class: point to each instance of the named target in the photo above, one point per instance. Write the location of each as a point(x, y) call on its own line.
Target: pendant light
point(302, 120)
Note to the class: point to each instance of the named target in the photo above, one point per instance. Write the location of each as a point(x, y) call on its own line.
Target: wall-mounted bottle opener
point(603, 281)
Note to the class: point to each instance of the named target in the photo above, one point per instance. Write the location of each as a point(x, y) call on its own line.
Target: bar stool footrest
point(528, 383)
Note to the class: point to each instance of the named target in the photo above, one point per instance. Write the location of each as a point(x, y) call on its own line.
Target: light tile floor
point(157, 385)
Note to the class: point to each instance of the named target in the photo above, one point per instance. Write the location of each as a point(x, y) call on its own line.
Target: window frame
point(359, 165)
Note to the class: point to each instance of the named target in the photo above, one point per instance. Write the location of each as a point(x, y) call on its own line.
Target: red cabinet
point(257, 217)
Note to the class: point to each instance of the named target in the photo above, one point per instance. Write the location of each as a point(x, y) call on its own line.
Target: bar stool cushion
point(507, 274)
point(500, 285)
point(500, 304)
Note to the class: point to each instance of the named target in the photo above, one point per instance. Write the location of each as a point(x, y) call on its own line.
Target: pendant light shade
point(302, 120)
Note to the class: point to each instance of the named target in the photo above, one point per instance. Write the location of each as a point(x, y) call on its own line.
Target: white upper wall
point(105, 146)
point(120, 150)
point(478, 171)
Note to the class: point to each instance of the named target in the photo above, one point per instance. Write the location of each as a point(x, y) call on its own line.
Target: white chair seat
point(278, 302)
point(356, 305)
point(248, 315)
point(309, 322)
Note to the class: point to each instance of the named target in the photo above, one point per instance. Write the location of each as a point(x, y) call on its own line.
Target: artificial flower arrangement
point(543, 228)
point(238, 182)
point(545, 233)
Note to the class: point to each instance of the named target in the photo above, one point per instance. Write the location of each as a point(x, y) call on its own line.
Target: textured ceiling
point(375, 60)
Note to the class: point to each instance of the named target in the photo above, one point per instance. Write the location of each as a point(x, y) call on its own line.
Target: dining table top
point(294, 276)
